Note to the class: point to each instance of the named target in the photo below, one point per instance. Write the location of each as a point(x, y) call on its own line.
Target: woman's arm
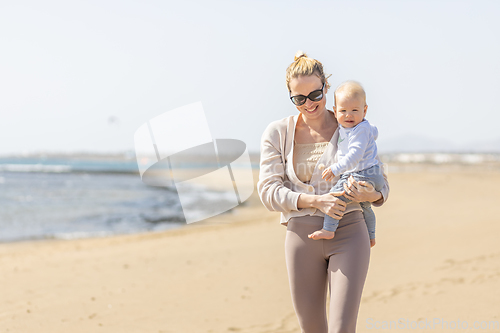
point(271, 187)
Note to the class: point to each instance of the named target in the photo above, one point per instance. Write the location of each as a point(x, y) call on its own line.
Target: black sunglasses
point(314, 96)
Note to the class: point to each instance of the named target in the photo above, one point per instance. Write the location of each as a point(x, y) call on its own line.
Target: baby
point(357, 154)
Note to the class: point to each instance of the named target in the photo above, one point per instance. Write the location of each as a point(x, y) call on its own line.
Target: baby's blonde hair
point(302, 65)
point(350, 89)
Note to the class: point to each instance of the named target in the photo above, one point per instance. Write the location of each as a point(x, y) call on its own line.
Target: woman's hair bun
point(299, 55)
point(306, 67)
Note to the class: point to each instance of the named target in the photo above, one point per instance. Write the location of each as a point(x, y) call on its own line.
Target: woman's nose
point(308, 102)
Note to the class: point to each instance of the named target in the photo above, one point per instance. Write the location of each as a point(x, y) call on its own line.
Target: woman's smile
point(312, 110)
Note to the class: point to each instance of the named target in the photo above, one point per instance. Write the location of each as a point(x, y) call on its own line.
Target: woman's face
point(304, 85)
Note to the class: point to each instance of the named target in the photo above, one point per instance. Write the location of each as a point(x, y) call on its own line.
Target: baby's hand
point(372, 242)
point(328, 174)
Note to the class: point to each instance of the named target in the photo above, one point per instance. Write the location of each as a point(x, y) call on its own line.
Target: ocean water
point(65, 199)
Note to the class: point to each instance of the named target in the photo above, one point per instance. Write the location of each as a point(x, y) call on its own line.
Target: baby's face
point(350, 111)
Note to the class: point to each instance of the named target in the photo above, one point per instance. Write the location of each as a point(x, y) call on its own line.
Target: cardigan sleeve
point(272, 189)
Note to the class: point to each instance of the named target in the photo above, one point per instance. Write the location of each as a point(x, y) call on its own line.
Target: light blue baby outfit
point(357, 156)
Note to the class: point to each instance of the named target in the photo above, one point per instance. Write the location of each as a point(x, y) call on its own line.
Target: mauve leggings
point(313, 265)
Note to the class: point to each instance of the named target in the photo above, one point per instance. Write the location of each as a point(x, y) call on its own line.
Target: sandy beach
point(437, 260)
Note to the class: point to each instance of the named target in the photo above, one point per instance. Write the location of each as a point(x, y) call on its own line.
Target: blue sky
point(84, 75)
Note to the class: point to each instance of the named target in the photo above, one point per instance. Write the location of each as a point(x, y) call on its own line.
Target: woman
point(294, 151)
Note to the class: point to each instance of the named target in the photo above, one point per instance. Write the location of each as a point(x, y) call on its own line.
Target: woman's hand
point(331, 205)
point(361, 191)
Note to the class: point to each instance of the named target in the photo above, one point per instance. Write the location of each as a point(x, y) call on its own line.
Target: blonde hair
point(350, 89)
point(302, 65)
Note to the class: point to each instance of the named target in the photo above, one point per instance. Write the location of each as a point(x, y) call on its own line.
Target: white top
point(357, 149)
point(305, 158)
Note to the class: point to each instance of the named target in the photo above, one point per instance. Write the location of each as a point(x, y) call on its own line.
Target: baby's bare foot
point(322, 234)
